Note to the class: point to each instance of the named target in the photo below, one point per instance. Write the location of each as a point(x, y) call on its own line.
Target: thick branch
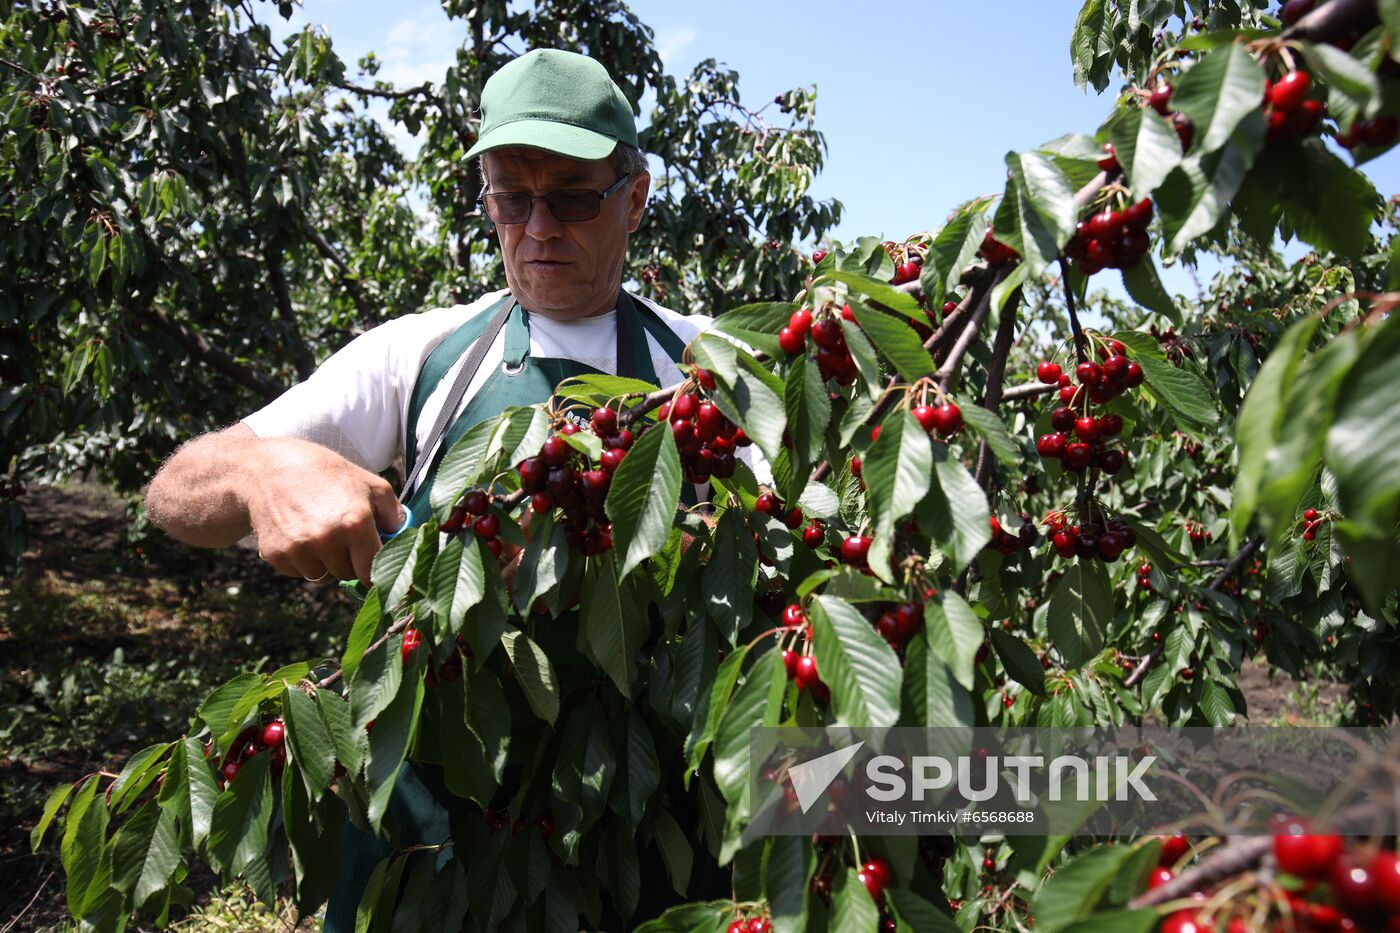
point(947, 374)
point(1231, 569)
point(996, 374)
point(425, 89)
point(282, 294)
point(1027, 390)
point(218, 360)
point(352, 285)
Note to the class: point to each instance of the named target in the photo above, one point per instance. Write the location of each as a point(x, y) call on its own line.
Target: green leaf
point(1081, 608)
point(881, 293)
point(1075, 890)
point(707, 917)
point(989, 426)
point(1333, 206)
point(955, 512)
point(394, 731)
point(543, 563)
point(727, 579)
point(461, 464)
point(614, 621)
point(535, 673)
point(855, 663)
point(1146, 147)
point(720, 692)
point(752, 399)
point(86, 860)
point(362, 634)
point(1020, 661)
point(1261, 417)
point(784, 874)
point(731, 766)
point(756, 325)
point(808, 410)
point(458, 581)
point(138, 773)
point(897, 471)
point(56, 799)
point(308, 740)
point(1038, 214)
point(1351, 86)
point(1145, 287)
point(392, 571)
point(217, 709)
point(1183, 393)
point(643, 770)
point(895, 340)
point(238, 832)
point(675, 851)
point(643, 496)
point(954, 634)
point(189, 787)
point(1088, 50)
point(145, 852)
point(953, 250)
point(852, 907)
point(1198, 192)
point(600, 388)
point(1218, 93)
point(931, 692)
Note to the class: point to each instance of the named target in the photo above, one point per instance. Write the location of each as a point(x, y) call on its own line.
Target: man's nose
point(542, 224)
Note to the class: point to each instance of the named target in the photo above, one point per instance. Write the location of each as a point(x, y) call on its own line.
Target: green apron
point(419, 810)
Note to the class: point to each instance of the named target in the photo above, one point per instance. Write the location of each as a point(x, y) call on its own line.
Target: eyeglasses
point(570, 206)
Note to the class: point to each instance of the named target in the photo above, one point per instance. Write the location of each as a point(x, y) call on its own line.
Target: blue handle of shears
point(408, 522)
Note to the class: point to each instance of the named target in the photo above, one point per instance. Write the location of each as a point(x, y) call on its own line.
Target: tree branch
point(1232, 568)
point(348, 277)
point(1027, 390)
point(996, 373)
point(947, 374)
point(301, 354)
point(219, 360)
point(332, 678)
point(425, 89)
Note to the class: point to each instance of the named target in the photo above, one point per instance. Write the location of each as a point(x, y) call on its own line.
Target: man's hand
point(313, 511)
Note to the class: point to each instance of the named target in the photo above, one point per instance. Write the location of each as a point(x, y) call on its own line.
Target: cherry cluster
point(1089, 539)
point(448, 670)
point(1081, 439)
point(1112, 239)
point(473, 512)
point(755, 924)
point(1289, 111)
point(994, 251)
point(834, 359)
point(563, 477)
point(1006, 543)
point(1198, 534)
point(270, 737)
point(705, 438)
point(496, 819)
point(799, 662)
point(897, 623)
point(908, 261)
point(769, 504)
point(1312, 520)
point(1144, 576)
point(1378, 131)
point(1159, 99)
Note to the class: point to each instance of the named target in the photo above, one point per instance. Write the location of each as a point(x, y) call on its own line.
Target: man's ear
point(637, 201)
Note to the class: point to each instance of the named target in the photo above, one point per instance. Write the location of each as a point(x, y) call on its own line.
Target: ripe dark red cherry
point(818, 255)
point(1159, 877)
point(880, 868)
point(767, 503)
point(793, 518)
point(790, 342)
point(706, 379)
point(854, 550)
point(604, 422)
point(924, 414)
point(555, 451)
point(685, 407)
point(230, 771)
point(1139, 215)
point(487, 526)
point(1110, 425)
point(1109, 163)
point(1111, 461)
point(1186, 921)
point(947, 419)
point(476, 502)
point(1354, 885)
point(1051, 445)
point(533, 473)
point(412, 638)
point(1174, 847)
point(806, 675)
point(1104, 225)
point(826, 333)
point(1048, 373)
point(612, 459)
point(1290, 91)
point(1088, 373)
point(1161, 98)
point(813, 536)
point(1386, 869)
point(790, 658)
point(595, 483)
point(793, 616)
point(274, 734)
point(709, 421)
point(905, 272)
point(1310, 514)
point(1086, 428)
point(1133, 375)
point(1078, 456)
point(1062, 420)
point(1303, 854)
point(1295, 10)
point(540, 503)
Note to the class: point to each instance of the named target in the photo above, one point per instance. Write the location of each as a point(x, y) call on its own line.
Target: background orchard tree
point(996, 500)
point(194, 211)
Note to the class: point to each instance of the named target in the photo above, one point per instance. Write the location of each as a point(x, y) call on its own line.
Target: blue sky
point(919, 102)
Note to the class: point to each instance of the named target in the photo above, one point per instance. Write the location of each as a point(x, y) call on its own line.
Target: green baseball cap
point(558, 101)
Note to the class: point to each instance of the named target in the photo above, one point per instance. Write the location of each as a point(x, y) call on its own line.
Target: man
point(565, 186)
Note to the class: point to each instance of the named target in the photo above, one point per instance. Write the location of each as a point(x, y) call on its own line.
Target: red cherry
point(709, 421)
point(925, 415)
point(800, 322)
point(1051, 445)
point(790, 342)
point(872, 883)
point(1062, 420)
point(1138, 215)
point(855, 466)
point(685, 407)
point(1290, 91)
point(476, 502)
point(604, 422)
point(818, 255)
point(1295, 10)
point(905, 272)
point(1354, 885)
point(793, 616)
point(1048, 373)
point(1111, 461)
point(1310, 514)
point(1109, 163)
point(1078, 456)
point(793, 518)
point(1379, 131)
point(880, 869)
point(1086, 428)
point(813, 536)
point(541, 504)
point(487, 526)
point(806, 675)
point(533, 473)
point(555, 451)
point(854, 550)
point(568, 428)
point(706, 379)
point(595, 484)
point(1133, 376)
point(1303, 854)
point(1159, 877)
point(1161, 97)
point(230, 771)
point(767, 503)
point(412, 638)
point(1088, 373)
point(1110, 425)
point(826, 333)
point(1385, 867)
point(1104, 226)
point(612, 459)
point(1067, 394)
point(759, 925)
point(790, 659)
point(274, 734)
point(737, 926)
point(947, 419)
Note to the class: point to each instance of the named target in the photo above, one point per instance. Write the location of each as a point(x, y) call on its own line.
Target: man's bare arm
point(313, 511)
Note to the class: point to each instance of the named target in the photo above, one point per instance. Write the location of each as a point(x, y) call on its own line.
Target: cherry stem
point(334, 677)
point(1081, 343)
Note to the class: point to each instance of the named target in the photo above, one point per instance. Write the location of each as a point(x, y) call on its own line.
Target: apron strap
point(454, 395)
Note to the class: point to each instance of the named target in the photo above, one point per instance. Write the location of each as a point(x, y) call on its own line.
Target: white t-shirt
point(357, 402)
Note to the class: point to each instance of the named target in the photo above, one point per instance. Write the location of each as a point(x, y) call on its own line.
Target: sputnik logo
point(811, 778)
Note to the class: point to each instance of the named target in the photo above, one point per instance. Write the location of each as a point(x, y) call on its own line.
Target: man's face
point(564, 271)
